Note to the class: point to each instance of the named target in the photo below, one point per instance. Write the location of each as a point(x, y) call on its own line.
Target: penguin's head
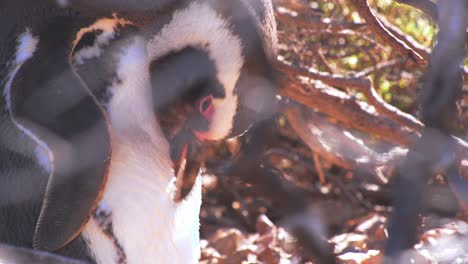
point(194, 100)
point(192, 107)
point(211, 72)
point(209, 65)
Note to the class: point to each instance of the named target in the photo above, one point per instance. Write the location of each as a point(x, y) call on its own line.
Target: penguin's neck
point(147, 224)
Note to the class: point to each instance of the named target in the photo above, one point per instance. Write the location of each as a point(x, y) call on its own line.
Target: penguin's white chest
point(149, 227)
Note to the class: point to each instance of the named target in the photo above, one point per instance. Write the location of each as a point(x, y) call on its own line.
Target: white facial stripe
point(26, 48)
point(130, 104)
point(27, 45)
point(200, 26)
point(108, 26)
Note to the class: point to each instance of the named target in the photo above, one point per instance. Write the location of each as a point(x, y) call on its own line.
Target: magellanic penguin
point(103, 109)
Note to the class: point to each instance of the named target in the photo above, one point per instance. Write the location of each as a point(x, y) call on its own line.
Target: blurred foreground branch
point(434, 151)
point(432, 147)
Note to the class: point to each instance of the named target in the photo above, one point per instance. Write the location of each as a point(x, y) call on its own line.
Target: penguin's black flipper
point(52, 106)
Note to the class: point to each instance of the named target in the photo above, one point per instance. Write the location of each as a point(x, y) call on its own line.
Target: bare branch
point(412, 43)
point(376, 26)
point(350, 112)
point(363, 85)
point(387, 109)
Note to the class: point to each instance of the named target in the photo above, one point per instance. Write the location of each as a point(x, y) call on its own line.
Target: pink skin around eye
point(206, 108)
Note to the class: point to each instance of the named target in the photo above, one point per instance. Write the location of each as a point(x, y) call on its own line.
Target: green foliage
point(410, 20)
point(351, 53)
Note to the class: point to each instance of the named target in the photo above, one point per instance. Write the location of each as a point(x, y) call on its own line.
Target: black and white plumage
point(88, 140)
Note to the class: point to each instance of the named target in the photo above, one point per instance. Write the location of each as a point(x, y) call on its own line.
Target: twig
point(318, 168)
point(298, 6)
point(324, 61)
point(412, 43)
point(376, 26)
point(389, 110)
point(314, 23)
point(347, 33)
point(379, 67)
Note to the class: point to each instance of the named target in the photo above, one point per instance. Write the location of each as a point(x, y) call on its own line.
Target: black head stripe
point(179, 81)
point(188, 74)
point(98, 71)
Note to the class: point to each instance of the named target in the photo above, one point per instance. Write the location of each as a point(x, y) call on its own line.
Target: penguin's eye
point(206, 107)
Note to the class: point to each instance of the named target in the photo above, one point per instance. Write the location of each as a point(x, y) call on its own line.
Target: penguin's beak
point(179, 121)
point(187, 158)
